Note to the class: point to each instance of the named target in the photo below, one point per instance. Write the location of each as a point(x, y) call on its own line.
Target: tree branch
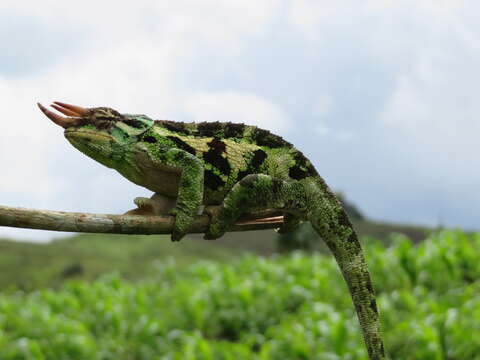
point(122, 224)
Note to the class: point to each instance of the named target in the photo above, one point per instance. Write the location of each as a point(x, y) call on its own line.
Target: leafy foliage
point(288, 307)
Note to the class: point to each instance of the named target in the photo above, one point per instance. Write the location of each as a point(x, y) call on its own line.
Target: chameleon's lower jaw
point(86, 135)
point(96, 145)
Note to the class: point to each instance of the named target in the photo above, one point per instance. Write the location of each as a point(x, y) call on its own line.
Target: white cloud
point(439, 131)
point(236, 107)
point(133, 58)
point(400, 76)
point(323, 110)
point(427, 54)
point(392, 33)
point(324, 106)
point(322, 129)
point(434, 104)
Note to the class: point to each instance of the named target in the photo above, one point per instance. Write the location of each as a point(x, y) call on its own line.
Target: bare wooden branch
point(121, 224)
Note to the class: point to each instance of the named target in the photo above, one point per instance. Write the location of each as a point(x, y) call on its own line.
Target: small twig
point(121, 224)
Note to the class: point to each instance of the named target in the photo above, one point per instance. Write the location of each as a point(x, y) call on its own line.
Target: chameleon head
point(101, 133)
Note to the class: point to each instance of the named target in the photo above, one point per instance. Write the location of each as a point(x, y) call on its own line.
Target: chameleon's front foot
point(144, 207)
point(161, 205)
point(183, 222)
point(216, 227)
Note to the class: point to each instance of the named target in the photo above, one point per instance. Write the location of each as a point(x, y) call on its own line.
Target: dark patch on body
point(232, 130)
point(212, 180)
point(254, 164)
point(174, 126)
point(134, 123)
point(214, 156)
point(180, 144)
point(373, 306)
point(258, 158)
point(149, 139)
point(297, 173)
point(302, 168)
point(242, 174)
point(265, 138)
point(209, 129)
point(217, 145)
point(225, 130)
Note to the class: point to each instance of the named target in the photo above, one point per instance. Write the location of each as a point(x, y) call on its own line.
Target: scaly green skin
point(237, 167)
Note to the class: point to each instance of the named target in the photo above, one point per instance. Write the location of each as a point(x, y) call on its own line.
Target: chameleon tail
point(310, 199)
point(332, 224)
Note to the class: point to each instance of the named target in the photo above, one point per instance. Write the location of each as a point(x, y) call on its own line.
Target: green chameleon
point(231, 169)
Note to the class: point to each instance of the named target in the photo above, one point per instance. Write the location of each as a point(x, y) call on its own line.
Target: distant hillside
point(87, 256)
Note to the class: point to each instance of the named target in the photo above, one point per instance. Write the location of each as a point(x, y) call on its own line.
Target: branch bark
point(122, 224)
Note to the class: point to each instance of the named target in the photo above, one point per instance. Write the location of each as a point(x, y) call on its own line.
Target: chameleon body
point(232, 169)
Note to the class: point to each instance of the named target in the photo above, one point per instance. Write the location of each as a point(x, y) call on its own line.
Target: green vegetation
point(287, 307)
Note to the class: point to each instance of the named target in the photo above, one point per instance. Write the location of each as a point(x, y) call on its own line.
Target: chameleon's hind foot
point(253, 192)
point(215, 229)
point(290, 223)
point(183, 222)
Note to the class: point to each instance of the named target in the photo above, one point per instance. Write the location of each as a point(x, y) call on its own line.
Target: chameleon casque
point(231, 169)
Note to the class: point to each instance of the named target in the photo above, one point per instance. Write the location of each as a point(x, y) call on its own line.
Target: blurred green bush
point(288, 307)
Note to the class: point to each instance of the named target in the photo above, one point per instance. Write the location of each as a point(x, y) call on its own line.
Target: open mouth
point(74, 114)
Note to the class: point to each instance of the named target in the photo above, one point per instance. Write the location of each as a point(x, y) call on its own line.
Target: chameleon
point(229, 169)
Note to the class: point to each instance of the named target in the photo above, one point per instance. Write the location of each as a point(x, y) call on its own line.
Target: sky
point(381, 95)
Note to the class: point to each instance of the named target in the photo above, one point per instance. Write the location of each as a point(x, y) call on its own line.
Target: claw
point(77, 110)
point(57, 119)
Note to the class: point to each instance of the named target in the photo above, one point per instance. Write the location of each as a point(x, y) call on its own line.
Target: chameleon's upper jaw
point(73, 114)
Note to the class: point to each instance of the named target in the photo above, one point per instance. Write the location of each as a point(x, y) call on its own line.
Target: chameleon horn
point(57, 119)
point(69, 109)
point(64, 111)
